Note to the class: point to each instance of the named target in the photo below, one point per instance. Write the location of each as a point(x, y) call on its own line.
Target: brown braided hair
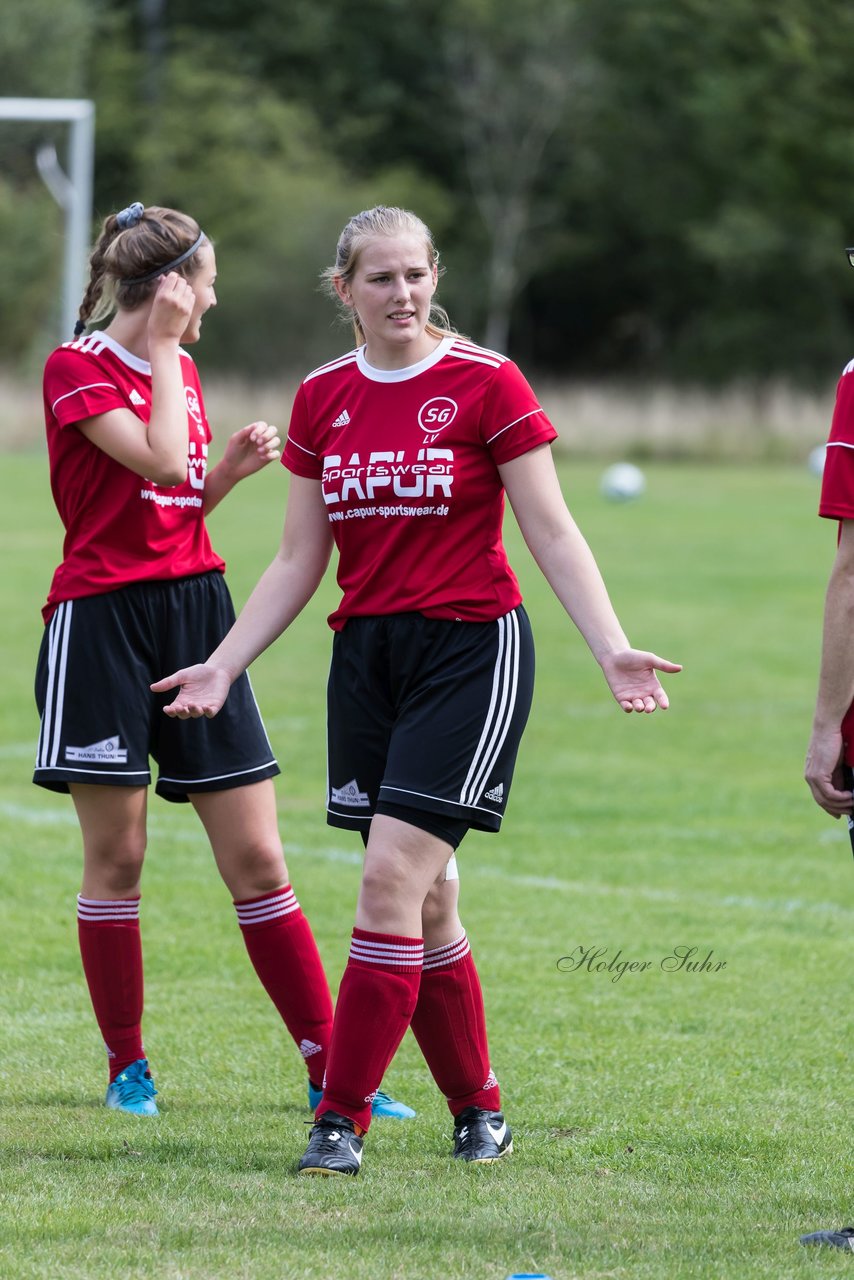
point(125, 252)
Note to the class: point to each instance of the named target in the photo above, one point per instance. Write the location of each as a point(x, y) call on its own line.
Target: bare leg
point(112, 822)
point(243, 830)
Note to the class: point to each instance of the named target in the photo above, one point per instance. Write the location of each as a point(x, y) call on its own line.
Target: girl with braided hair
point(140, 590)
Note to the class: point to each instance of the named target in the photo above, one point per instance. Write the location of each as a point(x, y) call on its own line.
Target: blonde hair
point(383, 220)
point(127, 250)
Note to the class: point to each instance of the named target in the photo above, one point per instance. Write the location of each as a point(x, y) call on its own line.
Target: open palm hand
point(631, 676)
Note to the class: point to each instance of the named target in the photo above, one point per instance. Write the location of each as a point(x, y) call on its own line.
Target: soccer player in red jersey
point(830, 755)
point(139, 589)
point(829, 769)
point(401, 453)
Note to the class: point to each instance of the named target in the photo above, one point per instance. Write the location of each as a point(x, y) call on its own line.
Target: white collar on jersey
point(96, 341)
point(402, 375)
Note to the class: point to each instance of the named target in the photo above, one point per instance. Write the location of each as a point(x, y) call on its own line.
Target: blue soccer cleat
point(382, 1105)
point(133, 1090)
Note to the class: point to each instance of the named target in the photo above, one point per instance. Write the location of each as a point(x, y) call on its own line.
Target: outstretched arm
point(568, 565)
point(281, 593)
point(248, 450)
point(823, 771)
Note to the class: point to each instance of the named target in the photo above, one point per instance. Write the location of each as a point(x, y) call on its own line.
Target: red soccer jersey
point(837, 489)
point(119, 528)
point(408, 462)
point(837, 485)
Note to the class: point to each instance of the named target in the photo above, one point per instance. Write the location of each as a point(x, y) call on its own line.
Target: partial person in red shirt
point(829, 769)
point(401, 453)
point(830, 754)
point(139, 588)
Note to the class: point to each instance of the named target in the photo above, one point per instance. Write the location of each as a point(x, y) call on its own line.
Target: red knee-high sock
point(111, 951)
point(284, 954)
point(450, 1026)
point(375, 1003)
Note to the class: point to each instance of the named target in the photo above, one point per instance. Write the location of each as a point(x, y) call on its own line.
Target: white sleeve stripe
point(469, 355)
point(290, 440)
point(839, 444)
point(472, 347)
point(513, 424)
point(340, 363)
point(77, 390)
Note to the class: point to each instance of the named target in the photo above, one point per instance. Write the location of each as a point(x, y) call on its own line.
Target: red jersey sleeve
point(299, 455)
point(837, 485)
point(76, 387)
point(513, 421)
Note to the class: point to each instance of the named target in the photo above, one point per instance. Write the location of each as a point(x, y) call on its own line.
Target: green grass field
point(668, 1124)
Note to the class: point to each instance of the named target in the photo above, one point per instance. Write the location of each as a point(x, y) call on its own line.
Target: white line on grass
point(159, 824)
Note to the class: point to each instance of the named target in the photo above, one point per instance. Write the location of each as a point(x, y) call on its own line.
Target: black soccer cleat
point(842, 1239)
point(481, 1137)
point(333, 1147)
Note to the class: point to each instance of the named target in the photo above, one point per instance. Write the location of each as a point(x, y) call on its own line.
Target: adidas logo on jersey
point(341, 420)
point(496, 793)
point(135, 397)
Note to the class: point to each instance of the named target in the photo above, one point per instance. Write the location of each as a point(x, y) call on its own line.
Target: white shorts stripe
point(501, 705)
point(59, 631)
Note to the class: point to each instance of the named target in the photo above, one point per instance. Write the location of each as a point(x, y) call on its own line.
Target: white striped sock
point(440, 957)
point(394, 955)
point(271, 907)
point(94, 910)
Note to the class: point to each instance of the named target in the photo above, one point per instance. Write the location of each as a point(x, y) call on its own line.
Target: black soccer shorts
point(427, 713)
point(100, 722)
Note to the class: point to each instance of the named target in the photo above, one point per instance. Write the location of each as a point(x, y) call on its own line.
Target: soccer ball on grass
point(622, 482)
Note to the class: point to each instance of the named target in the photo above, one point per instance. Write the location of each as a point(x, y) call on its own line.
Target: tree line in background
point(641, 188)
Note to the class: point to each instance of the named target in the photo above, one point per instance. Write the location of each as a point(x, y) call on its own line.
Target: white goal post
point(72, 192)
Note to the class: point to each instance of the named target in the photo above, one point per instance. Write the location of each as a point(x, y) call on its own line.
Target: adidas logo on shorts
point(495, 794)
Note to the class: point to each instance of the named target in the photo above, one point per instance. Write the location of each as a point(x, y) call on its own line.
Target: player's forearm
point(282, 592)
point(568, 565)
point(218, 484)
point(167, 426)
point(836, 676)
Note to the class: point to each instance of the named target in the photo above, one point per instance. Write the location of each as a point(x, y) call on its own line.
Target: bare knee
point(385, 886)
point(439, 910)
point(253, 868)
point(113, 868)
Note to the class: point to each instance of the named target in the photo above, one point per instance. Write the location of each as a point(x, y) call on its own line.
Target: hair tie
point(130, 216)
point(79, 326)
